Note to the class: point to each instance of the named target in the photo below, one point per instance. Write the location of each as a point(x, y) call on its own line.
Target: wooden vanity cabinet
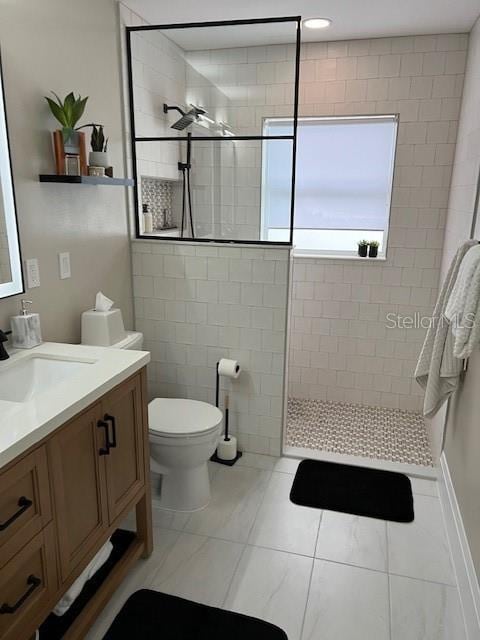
point(125, 469)
point(80, 482)
point(79, 488)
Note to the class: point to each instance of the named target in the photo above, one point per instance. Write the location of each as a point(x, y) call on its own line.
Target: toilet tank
point(106, 329)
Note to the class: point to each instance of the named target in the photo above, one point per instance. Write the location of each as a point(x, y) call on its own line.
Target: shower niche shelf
point(91, 180)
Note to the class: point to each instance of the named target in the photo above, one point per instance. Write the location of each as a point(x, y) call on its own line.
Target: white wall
point(340, 346)
point(65, 45)
point(462, 442)
point(5, 272)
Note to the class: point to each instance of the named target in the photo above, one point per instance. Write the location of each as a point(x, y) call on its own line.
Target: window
point(344, 177)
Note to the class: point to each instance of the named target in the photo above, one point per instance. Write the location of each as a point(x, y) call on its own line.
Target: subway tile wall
point(340, 345)
point(197, 304)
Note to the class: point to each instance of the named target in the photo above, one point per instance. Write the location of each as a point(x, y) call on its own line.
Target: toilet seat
point(178, 417)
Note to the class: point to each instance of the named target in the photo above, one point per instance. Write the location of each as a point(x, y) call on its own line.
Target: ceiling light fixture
point(317, 23)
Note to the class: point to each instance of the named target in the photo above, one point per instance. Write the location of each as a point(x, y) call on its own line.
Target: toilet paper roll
point(229, 368)
point(227, 449)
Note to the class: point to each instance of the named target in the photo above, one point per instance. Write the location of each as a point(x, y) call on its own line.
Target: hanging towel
point(462, 310)
point(437, 369)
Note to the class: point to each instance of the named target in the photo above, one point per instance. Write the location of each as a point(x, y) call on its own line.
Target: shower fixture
point(185, 168)
point(188, 117)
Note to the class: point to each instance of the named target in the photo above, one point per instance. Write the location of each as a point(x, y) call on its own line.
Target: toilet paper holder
point(231, 369)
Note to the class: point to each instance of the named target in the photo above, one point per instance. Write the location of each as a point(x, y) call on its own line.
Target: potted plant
point(68, 141)
point(373, 249)
point(68, 113)
point(363, 248)
point(98, 155)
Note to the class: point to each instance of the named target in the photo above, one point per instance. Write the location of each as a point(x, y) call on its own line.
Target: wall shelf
point(92, 180)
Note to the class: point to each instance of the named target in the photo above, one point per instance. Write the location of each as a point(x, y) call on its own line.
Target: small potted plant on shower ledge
point(373, 249)
point(362, 248)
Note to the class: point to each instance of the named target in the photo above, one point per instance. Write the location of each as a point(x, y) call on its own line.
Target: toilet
point(183, 433)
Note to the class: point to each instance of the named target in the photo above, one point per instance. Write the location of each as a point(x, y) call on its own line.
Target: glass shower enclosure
point(199, 97)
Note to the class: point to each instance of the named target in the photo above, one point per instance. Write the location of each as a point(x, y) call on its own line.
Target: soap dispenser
point(26, 332)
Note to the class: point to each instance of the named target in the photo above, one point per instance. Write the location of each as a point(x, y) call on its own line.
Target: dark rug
point(151, 615)
point(362, 492)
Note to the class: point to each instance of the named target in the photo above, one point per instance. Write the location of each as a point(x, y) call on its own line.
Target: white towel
point(462, 310)
point(438, 369)
point(91, 569)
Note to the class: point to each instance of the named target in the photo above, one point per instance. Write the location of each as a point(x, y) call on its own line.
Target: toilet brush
point(227, 452)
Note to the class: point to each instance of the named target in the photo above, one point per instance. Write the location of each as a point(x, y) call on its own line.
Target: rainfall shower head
point(187, 118)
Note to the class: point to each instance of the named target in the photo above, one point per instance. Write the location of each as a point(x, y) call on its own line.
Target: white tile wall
point(197, 304)
point(340, 347)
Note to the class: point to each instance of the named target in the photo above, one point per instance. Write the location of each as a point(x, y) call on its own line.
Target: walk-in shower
point(198, 101)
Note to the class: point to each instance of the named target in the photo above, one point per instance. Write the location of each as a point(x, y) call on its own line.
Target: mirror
point(11, 279)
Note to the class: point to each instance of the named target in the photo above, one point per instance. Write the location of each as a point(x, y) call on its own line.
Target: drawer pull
point(34, 582)
point(104, 451)
point(24, 503)
point(111, 419)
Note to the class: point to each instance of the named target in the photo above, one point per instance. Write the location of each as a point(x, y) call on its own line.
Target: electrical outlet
point(33, 273)
point(64, 265)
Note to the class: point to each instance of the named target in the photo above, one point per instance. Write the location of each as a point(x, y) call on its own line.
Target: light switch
point(33, 273)
point(64, 265)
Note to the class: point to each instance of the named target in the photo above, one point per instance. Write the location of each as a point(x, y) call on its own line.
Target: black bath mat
point(151, 615)
point(362, 492)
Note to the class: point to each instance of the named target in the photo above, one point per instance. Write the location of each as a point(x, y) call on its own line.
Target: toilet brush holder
point(227, 452)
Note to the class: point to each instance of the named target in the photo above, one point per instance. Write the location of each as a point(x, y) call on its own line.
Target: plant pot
point(98, 159)
point(362, 250)
point(74, 146)
point(372, 252)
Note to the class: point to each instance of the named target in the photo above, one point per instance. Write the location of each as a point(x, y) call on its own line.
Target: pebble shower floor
point(358, 430)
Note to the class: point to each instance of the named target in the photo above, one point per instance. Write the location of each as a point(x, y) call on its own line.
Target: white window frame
point(337, 253)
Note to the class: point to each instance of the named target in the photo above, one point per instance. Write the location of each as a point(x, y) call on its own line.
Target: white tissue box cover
point(102, 328)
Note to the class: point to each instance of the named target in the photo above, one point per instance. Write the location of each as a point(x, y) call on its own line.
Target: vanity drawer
point(27, 584)
point(25, 504)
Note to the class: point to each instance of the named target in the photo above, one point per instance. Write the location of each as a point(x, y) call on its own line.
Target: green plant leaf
point(78, 109)
point(59, 100)
point(57, 111)
point(68, 105)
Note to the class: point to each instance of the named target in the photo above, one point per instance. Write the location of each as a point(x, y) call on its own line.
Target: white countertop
point(24, 424)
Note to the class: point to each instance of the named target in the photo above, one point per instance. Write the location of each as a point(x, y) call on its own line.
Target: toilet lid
point(177, 416)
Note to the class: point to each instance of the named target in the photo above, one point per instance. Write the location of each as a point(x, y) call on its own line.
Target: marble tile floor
point(320, 575)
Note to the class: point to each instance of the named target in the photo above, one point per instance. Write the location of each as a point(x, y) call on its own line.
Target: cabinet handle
point(24, 503)
point(104, 451)
point(34, 582)
point(108, 418)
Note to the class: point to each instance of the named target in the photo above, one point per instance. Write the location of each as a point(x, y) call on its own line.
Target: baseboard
point(468, 585)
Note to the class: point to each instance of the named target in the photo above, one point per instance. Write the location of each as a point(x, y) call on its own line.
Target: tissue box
point(102, 328)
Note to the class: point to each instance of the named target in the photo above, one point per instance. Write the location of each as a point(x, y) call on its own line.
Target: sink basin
point(21, 381)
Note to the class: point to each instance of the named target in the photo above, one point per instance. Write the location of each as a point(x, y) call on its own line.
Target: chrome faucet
point(3, 338)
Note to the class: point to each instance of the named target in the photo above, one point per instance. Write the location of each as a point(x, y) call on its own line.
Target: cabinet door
point(122, 411)
point(78, 474)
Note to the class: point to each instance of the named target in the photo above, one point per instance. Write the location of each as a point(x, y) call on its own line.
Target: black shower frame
point(134, 139)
